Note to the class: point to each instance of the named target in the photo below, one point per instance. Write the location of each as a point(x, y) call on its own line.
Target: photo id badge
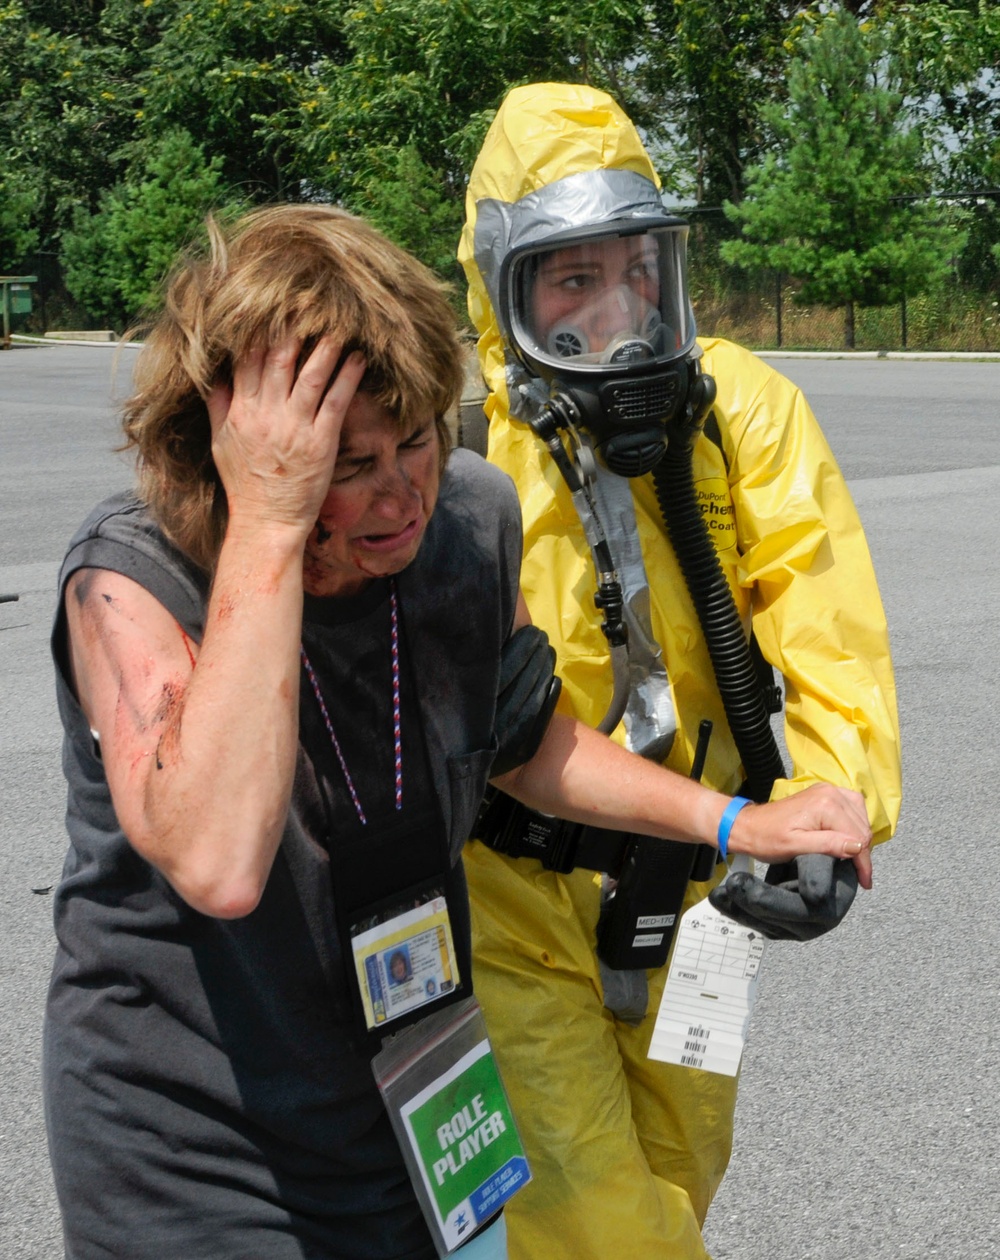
point(404, 960)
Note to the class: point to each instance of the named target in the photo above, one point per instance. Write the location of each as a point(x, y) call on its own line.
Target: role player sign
point(463, 1135)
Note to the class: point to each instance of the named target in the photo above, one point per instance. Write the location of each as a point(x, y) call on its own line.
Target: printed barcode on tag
point(692, 1060)
point(699, 1046)
point(697, 1031)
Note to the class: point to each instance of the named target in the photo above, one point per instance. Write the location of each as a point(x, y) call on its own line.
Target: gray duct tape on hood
point(650, 722)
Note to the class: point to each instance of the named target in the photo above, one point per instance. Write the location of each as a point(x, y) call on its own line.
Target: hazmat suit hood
point(558, 160)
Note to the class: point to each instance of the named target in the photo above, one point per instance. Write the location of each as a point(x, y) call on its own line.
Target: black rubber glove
point(796, 901)
point(527, 697)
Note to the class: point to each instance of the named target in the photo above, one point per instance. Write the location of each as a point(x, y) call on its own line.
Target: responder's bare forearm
point(579, 774)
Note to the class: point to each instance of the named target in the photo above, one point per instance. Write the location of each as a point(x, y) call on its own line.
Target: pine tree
point(832, 206)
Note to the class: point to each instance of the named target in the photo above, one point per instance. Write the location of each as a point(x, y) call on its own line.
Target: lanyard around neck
point(396, 736)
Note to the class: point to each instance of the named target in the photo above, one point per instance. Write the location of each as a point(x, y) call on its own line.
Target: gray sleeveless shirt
point(204, 1097)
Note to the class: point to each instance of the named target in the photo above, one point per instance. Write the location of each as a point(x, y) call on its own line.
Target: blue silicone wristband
point(727, 820)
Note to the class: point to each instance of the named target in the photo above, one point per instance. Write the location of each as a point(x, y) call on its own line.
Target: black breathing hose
point(735, 674)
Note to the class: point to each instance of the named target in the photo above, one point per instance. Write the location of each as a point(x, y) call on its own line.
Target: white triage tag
point(711, 987)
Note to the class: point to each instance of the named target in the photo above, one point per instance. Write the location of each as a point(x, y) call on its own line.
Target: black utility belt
point(511, 828)
point(637, 921)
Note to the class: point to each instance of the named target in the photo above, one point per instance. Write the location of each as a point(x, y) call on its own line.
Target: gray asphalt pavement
point(869, 1116)
point(869, 1111)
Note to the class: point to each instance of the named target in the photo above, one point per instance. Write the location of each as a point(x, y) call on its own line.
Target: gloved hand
point(796, 901)
point(527, 697)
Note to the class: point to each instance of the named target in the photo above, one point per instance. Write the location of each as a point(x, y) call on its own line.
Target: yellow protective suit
point(627, 1153)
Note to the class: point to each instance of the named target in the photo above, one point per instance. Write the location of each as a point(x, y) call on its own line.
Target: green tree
point(419, 89)
point(950, 54)
point(708, 69)
point(17, 237)
point(224, 70)
point(91, 87)
point(68, 107)
point(70, 17)
point(116, 258)
point(829, 207)
point(405, 201)
point(381, 105)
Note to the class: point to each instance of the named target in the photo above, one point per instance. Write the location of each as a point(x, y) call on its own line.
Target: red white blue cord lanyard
point(396, 739)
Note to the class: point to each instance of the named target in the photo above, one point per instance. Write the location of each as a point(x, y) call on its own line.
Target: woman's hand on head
point(276, 431)
point(820, 819)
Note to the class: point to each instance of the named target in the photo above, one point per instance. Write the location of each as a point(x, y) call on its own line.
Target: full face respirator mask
point(602, 315)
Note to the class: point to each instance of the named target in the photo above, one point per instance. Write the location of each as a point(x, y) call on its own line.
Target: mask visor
point(603, 304)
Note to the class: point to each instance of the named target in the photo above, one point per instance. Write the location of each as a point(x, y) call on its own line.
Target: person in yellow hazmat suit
point(690, 486)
